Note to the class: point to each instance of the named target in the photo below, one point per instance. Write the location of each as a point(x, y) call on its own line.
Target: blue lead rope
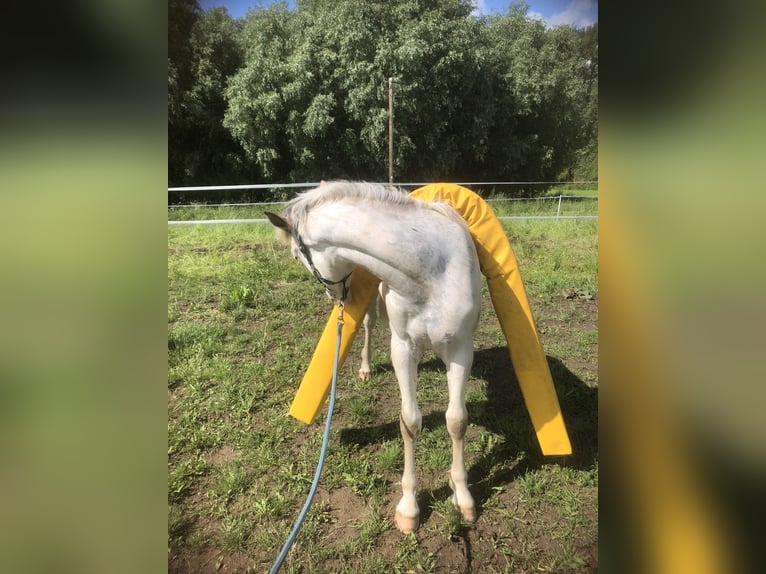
point(309, 499)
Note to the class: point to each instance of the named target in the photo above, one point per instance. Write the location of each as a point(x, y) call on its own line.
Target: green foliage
point(549, 92)
point(585, 166)
point(201, 149)
point(302, 94)
point(320, 102)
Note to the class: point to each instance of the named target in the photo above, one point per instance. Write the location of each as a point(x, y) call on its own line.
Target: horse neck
point(376, 239)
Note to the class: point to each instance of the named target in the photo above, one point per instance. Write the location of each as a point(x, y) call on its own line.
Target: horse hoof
point(468, 513)
point(406, 524)
point(365, 375)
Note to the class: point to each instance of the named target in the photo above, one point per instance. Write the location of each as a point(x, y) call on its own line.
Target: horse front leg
point(458, 369)
point(404, 359)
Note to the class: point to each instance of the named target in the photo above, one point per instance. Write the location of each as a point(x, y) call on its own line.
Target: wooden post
point(391, 133)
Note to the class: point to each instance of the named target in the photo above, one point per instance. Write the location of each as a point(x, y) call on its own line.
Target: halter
point(325, 282)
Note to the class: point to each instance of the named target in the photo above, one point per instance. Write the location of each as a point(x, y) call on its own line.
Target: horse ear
point(279, 222)
point(283, 228)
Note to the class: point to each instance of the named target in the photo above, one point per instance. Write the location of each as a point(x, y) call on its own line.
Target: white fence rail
point(558, 198)
point(500, 217)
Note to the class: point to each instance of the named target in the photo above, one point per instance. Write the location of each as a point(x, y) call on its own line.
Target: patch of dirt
point(345, 508)
point(212, 561)
point(454, 553)
point(223, 455)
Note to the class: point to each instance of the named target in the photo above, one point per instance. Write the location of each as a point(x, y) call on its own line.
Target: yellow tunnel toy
point(499, 266)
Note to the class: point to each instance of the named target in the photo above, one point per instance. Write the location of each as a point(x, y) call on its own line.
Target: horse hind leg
point(458, 369)
point(405, 360)
point(365, 370)
point(376, 309)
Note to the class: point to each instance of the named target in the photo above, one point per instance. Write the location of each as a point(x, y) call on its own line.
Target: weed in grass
point(198, 539)
point(373, 525)
point(475, 396)
point(432, 385)
point(191, 431)
point(293, 477)
point(312, 540)
point(570, 558)
point(362, 410)
point(179, 524)
point(269, 537)
point(363, 480)
point(235, 530)
point(238, 398)
point(232, 479)
point(410, 557)
point(369, 563)
point(197, 337)
point(532, 485)
point(183, 476)
point(588, 338)
point(320, 513)
point(484, 442)
point(492, 502)
point(569, 504)
point(434, 450)
point(503, 546)
point(391, 456)
point(194, 367)
point(453, 521)
point(262, 507)
point(238, 297)
point(438, 459)
point(274, 505)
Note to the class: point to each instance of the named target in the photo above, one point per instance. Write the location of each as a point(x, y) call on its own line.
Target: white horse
point(430, 285)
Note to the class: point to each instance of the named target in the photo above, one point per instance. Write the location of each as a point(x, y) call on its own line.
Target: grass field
point(243, 320)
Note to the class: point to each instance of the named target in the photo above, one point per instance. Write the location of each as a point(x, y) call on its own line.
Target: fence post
point(391, 133)
point(558, 211)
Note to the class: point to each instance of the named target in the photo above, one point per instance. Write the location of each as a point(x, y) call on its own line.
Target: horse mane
point(298, 208)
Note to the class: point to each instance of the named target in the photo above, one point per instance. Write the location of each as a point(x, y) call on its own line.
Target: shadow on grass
point(504, 413)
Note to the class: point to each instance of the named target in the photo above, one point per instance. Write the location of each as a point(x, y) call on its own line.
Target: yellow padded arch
point(498, 264)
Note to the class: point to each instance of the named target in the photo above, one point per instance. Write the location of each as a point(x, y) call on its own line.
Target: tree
point(546, 85)
point(259, 94)
point(182, 14)
point(445, 100)
point(586, 158)
point(302, 94)
point(212, 155)
point(315, 85)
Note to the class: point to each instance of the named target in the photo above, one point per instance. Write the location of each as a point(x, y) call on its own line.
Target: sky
point(579, 13)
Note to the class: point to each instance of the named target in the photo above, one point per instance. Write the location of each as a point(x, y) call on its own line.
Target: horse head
point(333, 274)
